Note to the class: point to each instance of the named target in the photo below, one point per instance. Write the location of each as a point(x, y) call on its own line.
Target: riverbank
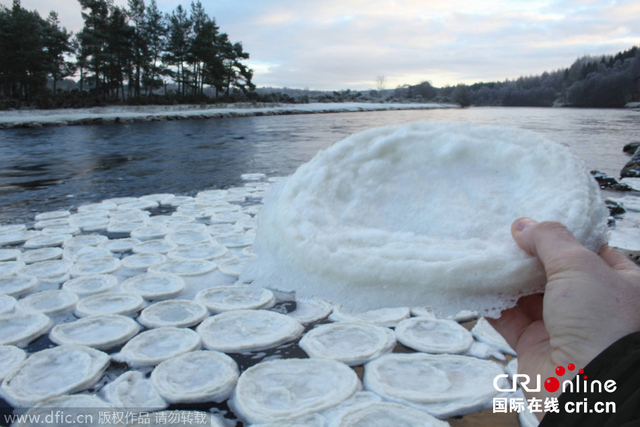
point(130, 114)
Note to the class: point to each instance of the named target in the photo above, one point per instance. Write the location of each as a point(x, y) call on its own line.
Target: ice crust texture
point(420, 214)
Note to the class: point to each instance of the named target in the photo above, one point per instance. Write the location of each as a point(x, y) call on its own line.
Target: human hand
point(590, 301)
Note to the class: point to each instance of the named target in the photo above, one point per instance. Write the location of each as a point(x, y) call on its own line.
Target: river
point(54, 168)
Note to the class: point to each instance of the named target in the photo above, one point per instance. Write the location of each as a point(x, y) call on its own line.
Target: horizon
point(347, 45)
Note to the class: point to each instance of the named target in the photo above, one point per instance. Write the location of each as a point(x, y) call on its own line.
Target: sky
point(348, 44)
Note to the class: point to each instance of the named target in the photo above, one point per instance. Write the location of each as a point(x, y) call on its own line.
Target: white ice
point(49, 302)
point(204, 251)
point(192, 267)
point(7, 303)
point(154, 286)
point(157, 345)
point(420, 214)
point(389, 317)
point(10, 358)
point(281, 390)
point(43, 254)
point(53, 372)
point(20, 328)
point(197, 376)
point(383, 414)
point(109, 303)
point(309, 310)
point(226, 298)
point(434, 335)
point(444, 385)
point(132, 390)
point(178, 313)
point(88, 285)
point(248, 330)
point(101, 332)
point(16, 285)
point(77, 407)
point(484, 332)
point(350, 343)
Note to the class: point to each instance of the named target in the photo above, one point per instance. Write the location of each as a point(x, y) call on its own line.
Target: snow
point(309, 310)
point(53, 372)
point(110, 114)
point(382, 316)
point(20, 328)
point(49, 302)
point(7, 303)
point(16, 285)
point(197, 376)
point(383, 414)
point(109, 303)
point(484, 332)
point(155, 286)
point(10, 358)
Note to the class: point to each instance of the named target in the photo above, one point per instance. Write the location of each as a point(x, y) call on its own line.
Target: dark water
point(63, 167)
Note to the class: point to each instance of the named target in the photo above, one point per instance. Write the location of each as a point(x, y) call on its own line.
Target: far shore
point(130, 114)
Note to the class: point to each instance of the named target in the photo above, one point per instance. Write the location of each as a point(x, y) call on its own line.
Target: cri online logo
point(552, 384)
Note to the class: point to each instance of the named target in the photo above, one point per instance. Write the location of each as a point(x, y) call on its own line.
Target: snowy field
point(123, 114)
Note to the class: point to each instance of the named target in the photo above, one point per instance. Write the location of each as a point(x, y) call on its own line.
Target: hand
point(590, 301)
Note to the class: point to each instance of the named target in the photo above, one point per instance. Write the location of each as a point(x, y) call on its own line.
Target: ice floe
point(309, 310)
point(382, 316)
point(178, 313)
point(101, 332)
point(7, 303)
point(10, 358)
point(248, 330)
point(16, 285)
point(193, 267)
point(434, 335)
point(383, 414)
point(109, 303)
point(53, 372)
point(443, 385)
point(155, 286)
point(59, 411)
point(43, 254)
point(197, 376)
point(484, 332)
point(203, 251)
point(132, 390)
point(20, 328)
point(226, 298)
point(281, 390)
point(157, 345)
point(49, 302)
point(350, 343)
point(84, 286)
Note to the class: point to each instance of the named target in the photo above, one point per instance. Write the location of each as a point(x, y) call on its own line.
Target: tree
point(155, 33)
point(461, 95)
point(380, 83)
point(57, 44)
point(93, 38)
point(180, 27)
point(139, 43)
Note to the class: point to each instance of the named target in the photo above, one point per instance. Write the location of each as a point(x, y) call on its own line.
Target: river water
point(62, 167)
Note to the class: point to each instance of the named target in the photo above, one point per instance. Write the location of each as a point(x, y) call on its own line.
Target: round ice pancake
point(157, 345)
point(106, 265)
point(90, 285)
point(227, 298)
point(9, 268)
point(20, 328)
point(350, 343)
point(155, 286)
point(178, 313)
point(309, 310)
point(80, 407)
point(17, 284)
point(10, 358)
point(7, 303)
point(109, 303)
point(204, 251)
point(133, 390)
point(49, 302)
point(420, 215)
point(101, 332)
point(9, 254)
point(434, 335)
point(248, 330)
point(383, 414)
point(53, 372)
point(382, 316)
point(192, 267)
point(442, 384)
point(281, 390)
point(37, 255)
point(484, 332)
point(141, 262)
point(197, 376)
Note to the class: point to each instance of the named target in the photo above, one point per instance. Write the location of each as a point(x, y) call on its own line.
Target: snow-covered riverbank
point(128, 114)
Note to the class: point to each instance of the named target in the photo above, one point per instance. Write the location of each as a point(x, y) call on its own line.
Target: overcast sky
point(340, 44)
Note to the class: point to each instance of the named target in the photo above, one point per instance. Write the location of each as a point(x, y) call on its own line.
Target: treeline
point(122, 54)
point(599, 82)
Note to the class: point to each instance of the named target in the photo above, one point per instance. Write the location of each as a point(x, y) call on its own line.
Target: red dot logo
point(551, 384)
point(571, 366)
point(581, 371)
point(559, 371)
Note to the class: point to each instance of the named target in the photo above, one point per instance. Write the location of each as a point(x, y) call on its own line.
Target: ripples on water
point(62, 167)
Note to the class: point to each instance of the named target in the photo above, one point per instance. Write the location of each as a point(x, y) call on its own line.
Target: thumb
point(553, 244)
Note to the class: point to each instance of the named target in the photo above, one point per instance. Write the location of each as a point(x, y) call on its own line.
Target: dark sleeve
point(620, 363)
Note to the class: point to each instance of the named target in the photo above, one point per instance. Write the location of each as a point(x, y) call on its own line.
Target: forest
point(139, 55)
point(121, 55)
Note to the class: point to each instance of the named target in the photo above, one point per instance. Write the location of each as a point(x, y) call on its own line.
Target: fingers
point(552, 243)
point(616, 260)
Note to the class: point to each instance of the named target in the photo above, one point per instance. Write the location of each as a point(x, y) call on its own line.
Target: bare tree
point(380, 82)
